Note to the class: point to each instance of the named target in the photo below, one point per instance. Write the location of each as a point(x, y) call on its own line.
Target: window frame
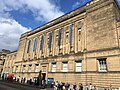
point(54, 68)
point(29, 45)
point(78, 67)
point(30, 68)
point(16, 69)
point(103, 65)
point(23, 69)
point(63, 66)
point(79, 34)
point(35, 44)
point(36, 67)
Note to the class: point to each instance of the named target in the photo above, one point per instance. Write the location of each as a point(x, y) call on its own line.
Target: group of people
point(90, 87)
point(66, 86)
point(60, 85)
point(56, 85)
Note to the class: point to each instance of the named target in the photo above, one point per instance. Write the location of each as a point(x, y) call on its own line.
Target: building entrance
point(43, 76)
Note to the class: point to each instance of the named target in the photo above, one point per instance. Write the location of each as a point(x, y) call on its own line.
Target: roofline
point(46, 25)
point(66, 16)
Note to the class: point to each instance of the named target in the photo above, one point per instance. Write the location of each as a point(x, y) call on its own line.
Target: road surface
point(4, 85)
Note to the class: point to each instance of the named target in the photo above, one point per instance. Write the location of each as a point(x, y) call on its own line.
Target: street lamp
point(85, 58)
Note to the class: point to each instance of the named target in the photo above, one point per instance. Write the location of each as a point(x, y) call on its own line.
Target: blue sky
point(19, 16)
point(27, 19)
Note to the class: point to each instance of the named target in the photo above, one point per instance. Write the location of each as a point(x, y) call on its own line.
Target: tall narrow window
point(59, 39)
point(102, 65)
point(42, 42)
point(24, 66)
point(36, 67)
point(16, 70)
point(30, 68)
point(50, 40)
point(35, 44)
point(70, 34)
point(53, 67)
point(65, 66)
point(28, 49)
point(78, 66)
point(67, 37)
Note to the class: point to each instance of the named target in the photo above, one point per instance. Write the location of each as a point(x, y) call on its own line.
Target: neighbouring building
point(9, 63)
point(3, 54)
point(82, 46)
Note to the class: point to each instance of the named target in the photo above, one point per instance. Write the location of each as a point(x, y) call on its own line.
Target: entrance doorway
point(43, 76)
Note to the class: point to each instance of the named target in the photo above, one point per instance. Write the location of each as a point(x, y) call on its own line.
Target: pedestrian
point(46, 82)
point(63, 87)
point(30, 82)
point(67, 86)
point(56, 85)
point(74, 86)
point(80, 86)
point(52, 84)
point(24, 80)
point(95, 88)
point(60, 85)
point(86, 87)
point(90, 87)
point(14, 78)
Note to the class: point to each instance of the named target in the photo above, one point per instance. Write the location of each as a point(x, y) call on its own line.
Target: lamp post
point(85, 58)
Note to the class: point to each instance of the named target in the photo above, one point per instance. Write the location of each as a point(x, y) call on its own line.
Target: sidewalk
point(37, 87)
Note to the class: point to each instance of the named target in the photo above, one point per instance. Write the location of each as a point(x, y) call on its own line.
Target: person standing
point(67, 86)
point(86, 87)
point(90, 87)
point(74, 86)
point(46, 82)
point(80, 86)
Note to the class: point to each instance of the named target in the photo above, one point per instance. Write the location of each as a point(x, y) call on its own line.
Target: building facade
point(82, 46)
point(3, 54)
point(9, 63)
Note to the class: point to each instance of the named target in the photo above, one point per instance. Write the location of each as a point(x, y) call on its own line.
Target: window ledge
point(102, 71)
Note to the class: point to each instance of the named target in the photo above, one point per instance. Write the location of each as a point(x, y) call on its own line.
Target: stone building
point(9, 63)
point(3, 54)
point(82, 46)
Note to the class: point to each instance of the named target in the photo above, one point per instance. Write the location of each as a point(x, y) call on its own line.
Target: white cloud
point(118, 1)
point(10, 29)
point(43, 10)
point(75, 5)
point(79, 3)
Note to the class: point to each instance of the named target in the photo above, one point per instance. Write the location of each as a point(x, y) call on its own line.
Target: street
point(4, 85)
